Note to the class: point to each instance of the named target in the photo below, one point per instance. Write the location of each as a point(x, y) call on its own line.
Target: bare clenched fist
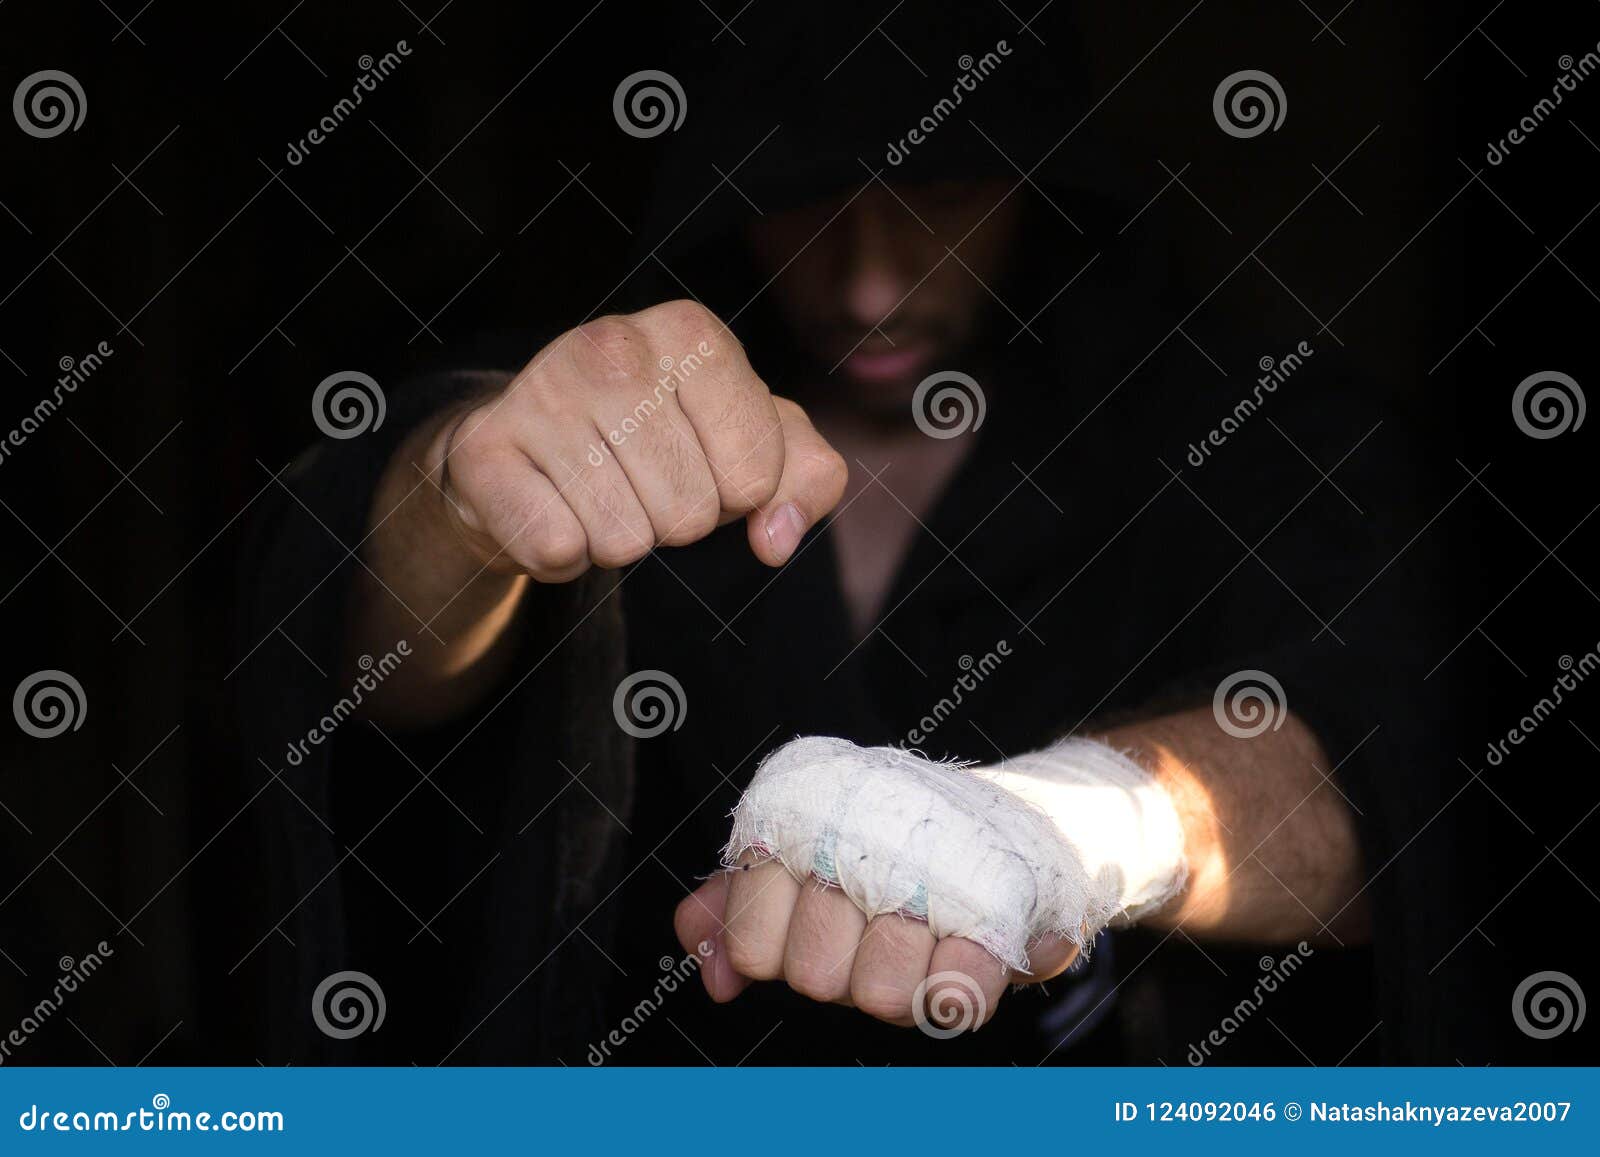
point(632, 432)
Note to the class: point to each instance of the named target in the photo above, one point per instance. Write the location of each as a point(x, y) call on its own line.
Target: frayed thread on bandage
point(989, 854)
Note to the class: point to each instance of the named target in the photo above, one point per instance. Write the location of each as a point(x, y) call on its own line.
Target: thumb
point(698, 921)
point(812, 483)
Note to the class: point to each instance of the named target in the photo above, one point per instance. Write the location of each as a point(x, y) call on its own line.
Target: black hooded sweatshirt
point(1125, 536)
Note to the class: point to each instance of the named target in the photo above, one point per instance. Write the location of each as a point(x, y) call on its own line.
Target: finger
point(761, 895)
point(814, 476)
point(514, 515)
point(667, 468)
point(698, 923)
point(725, 400)
point(635, 406)
point(824, 930)
point(891, 961)
point(571, 454)
point(965, 984)
point(1048, 957)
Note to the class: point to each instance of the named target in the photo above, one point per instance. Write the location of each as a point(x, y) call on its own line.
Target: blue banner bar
point(868, 1111)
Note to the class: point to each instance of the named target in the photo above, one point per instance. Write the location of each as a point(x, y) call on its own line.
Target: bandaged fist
point(916, 891)
point(632, 432)
point(765, 924)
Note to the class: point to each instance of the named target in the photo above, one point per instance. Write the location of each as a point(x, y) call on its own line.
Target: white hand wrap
point(1060, 841)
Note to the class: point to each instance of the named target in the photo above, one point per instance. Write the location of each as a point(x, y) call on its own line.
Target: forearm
point(1010, 868)
point(423, 582)
point(1270, 842)
point(539, 491)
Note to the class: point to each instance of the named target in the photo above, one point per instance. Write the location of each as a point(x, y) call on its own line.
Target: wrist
point(1121, 821)
point(1154, 749)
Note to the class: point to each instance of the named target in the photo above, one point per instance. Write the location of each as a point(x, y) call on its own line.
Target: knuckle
point(609, 352)
point(615, 526)
point(554, 394)
point(685, 507)
point(480, 491)
point(764, 488)
point(685, 320)
point(755, 957)
point(474, 444)
point(815, 979)
point(611, 551)
point(556, 547)
point(470, 475)
point(689, 522)
point(754, 454)
point(480, 423)
point(748, 486)
point(836, 475)
point(831, 467)
point(822, 470)
point(881, 1000)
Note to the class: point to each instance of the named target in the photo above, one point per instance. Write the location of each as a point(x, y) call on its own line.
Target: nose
point(875, 280)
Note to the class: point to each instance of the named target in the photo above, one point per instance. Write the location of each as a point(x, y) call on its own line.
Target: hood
point(797, 103)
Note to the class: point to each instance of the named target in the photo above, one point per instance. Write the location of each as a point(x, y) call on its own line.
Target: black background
point(229, 282)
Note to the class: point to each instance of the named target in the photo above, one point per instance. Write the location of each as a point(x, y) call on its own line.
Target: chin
point(878, 399)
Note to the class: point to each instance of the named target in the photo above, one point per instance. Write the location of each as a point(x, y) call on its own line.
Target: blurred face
point(870, 290)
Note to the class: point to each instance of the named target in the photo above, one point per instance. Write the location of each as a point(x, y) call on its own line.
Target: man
point(776, 513)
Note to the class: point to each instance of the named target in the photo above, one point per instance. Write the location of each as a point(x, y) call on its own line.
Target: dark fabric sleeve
point(1319, 524)
point(501, 991)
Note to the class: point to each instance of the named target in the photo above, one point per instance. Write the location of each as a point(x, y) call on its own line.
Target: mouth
point(875, 364)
